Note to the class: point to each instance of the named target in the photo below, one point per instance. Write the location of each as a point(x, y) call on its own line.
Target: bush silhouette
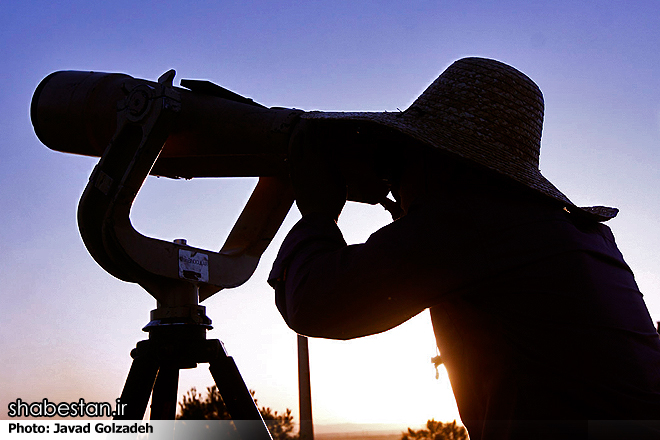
point(437, 431)
point(211, 407)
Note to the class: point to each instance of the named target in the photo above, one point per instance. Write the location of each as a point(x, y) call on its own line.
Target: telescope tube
point(76, 112)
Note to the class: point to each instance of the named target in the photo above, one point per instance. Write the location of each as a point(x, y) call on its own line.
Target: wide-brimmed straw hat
point(485, 112)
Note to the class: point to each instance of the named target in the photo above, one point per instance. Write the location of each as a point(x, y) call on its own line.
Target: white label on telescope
point(193, 266)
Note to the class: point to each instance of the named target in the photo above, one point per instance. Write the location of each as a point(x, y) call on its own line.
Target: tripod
point(178, 343)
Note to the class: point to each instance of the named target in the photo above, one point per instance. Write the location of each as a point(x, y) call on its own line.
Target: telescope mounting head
point(178, 276)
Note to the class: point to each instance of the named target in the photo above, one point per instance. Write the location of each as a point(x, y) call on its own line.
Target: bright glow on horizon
point(383, 378)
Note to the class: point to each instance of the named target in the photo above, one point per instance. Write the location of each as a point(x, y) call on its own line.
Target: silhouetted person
point(539, 321)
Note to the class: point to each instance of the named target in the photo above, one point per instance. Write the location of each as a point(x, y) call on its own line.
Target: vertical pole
point(304, 390)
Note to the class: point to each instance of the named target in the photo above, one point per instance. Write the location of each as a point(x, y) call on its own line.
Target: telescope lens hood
point(76, 112)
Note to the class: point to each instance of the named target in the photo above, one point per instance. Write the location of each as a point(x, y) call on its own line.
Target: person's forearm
point(328, 289)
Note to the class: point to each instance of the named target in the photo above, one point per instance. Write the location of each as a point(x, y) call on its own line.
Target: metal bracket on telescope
point(177, 275)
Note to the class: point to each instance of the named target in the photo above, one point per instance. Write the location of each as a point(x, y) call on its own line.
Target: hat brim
point(526, 175)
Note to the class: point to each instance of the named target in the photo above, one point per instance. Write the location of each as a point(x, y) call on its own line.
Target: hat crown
point(491, 106)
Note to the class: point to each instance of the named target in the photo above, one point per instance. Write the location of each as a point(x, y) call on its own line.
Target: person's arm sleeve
point(327, 289)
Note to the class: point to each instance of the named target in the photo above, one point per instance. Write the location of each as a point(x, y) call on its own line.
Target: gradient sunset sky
point(67, 327)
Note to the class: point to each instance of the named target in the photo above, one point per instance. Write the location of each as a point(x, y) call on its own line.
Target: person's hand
point(318, 184)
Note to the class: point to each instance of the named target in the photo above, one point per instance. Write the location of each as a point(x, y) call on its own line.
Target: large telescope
point(140, 127)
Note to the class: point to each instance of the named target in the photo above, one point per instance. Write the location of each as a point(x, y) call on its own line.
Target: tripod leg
point(163, 399)
point(237, 398)
point(137, 389)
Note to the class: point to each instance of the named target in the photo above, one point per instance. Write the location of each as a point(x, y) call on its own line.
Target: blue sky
point(67, 326)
